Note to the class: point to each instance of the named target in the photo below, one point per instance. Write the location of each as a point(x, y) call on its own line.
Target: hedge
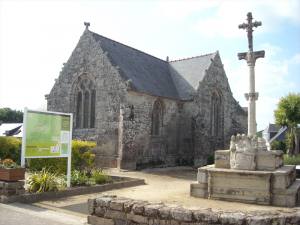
point(82, 156)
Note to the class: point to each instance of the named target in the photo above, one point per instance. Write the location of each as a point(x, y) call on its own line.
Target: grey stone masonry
point(122, 211)
point(143, 111)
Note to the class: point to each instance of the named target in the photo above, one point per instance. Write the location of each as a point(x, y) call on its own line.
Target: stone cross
point(251, 57)
point(87, 24)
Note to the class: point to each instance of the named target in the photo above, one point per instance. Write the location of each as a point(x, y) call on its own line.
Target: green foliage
point(82, 158)
point(8, 115)
point(288, 114)
point(291, 160)
point(211, 159)
point(96, 176)
point(278, 145)
point(10, 148)
point(100, 177)
point(43, 181)
point(288, 111)
point(58, 165)
point(79, 178)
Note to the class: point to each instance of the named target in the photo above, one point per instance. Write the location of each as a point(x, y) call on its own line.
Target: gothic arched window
point(216, 115)
point(85, 104)
point(157, 118)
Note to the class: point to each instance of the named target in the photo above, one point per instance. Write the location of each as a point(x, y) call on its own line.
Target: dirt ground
point(168, 185)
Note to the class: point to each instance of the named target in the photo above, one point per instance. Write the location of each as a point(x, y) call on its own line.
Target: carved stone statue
point(242, 152)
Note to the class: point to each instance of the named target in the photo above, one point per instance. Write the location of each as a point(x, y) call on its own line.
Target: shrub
point(82, 158)
point(79, 178)
point(82, 155)
point(278, 145)
point(291, 160)
point(100, 177)
point(8, 164)
point(43, 181)
point(10, 147)
point(211, 159)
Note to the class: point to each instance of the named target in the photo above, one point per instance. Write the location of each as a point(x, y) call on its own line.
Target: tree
point(288, 114)
point(8, 115)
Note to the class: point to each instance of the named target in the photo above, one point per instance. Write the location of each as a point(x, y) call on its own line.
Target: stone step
point(202, 175)
point(284, 176)
point(289, 197)
point(199, 190)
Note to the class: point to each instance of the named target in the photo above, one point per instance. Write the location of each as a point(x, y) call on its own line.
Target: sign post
point(47, 135)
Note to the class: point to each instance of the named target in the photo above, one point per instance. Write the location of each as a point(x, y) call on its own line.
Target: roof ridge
point(129, 47)
point(198, 56)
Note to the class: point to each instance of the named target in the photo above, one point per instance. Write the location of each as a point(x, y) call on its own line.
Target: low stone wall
point(111, 210)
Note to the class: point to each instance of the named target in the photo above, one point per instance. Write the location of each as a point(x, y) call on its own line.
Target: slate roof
point(11, 129)
point(280, 136)
point(193, 69)
point(272, 128)
point(151, 75)
point(147, 73)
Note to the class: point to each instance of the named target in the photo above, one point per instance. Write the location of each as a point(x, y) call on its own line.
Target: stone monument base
point(278, 187)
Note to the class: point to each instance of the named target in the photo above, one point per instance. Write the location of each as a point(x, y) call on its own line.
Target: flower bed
point(12, 174)
point(117, 183)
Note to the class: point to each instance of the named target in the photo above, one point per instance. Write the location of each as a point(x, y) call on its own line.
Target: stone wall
point(232, 119)
point(110, 210)
point(89, 61)
point(140, 148)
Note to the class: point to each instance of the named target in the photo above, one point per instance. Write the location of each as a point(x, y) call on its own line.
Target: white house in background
point(11, 129)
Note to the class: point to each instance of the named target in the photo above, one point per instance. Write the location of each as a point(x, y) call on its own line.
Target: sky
point(37, 37)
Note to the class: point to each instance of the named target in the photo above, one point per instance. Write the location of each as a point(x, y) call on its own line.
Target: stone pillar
point(251, 97)
point(251, 57)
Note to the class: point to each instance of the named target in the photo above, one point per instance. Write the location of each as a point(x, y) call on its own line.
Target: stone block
point(113, 214)
point(181, 214)
point(205, 216)
point(164, 212)
point(94, 220)
point(202, 176)
point(240, 185)
point(118, 204)
point(139, 207)
point(91, 206)
point(222, 159)
point(269, 160)
point(199, 190)
point(100, 211)
point(289, 197)
point(283, 177)
point(152, 210)
point(137, 218)
point(104, 201)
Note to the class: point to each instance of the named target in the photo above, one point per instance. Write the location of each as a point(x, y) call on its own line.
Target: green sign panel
point(47, 134)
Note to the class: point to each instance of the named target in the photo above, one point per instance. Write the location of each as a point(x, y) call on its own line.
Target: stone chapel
point(144, 111)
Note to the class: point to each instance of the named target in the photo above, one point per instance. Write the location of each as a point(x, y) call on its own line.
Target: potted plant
point(10, 171)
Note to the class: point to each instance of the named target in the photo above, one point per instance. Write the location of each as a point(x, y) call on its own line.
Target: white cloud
point(228, 14)
point(272, 81)
point(179, 10)
point(295, 59)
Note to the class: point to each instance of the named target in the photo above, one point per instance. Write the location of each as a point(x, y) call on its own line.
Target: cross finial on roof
point(87, 24)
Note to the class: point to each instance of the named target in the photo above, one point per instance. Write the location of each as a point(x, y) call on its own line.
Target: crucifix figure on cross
point(251, 57)
point(249, 26)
